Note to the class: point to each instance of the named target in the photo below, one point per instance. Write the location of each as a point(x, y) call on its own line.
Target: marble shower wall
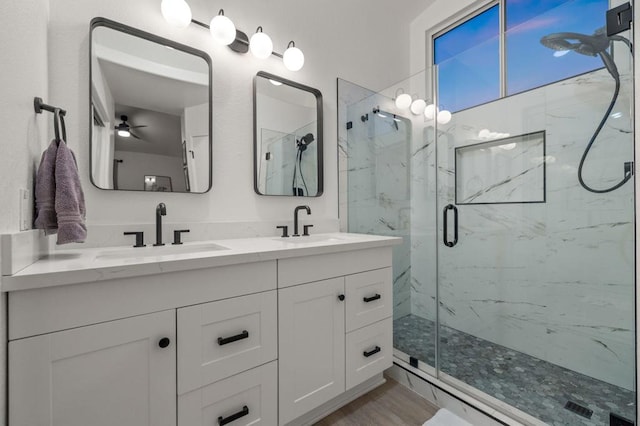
point(554, 280)
point(374, 177)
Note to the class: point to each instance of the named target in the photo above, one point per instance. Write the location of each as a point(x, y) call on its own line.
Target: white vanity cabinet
point(274, 338)
point(334, 333)
point(115, 373)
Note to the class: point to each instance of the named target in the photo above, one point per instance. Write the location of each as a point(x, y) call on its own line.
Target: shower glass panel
point(535, 273)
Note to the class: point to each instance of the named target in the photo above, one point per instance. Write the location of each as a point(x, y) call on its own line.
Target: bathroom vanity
point(269, 331)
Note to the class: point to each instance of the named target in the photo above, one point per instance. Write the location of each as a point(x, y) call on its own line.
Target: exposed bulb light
point(124, 133)
point(176, 12)
point(222, 29)
point(430, 111)
point(403, 101)
point(444, 116)
point(260, 44)
point(418, 106)
point(293, 57)
point(275, 82)
point(484, 133)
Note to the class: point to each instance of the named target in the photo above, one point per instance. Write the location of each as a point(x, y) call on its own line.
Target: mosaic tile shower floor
point(536, 387)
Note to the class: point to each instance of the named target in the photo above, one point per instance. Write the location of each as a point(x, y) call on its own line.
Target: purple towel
point(45, 192)
point(69, 202)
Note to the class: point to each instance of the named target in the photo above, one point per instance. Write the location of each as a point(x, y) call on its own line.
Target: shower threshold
point(532, 385)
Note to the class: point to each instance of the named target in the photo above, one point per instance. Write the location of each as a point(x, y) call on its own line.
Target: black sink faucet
point(295, 219)
point(161, 210)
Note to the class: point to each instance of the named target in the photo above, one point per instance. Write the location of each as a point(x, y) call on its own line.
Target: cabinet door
point(114, 373)
point(311, 346)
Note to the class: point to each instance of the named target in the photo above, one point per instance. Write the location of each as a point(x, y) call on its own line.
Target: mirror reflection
point(287, 138)
point(151, 111)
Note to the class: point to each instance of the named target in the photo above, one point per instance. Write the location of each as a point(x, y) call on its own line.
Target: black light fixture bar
point(240, 44)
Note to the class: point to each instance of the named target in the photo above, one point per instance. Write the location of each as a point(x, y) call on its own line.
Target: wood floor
point(390, 404)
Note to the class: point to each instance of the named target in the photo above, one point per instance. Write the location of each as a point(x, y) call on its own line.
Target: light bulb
point(444, 117)
point(260, 44)
point(293, 58)
point(275, 82)
point(403, 101)
point(430, 112)
point(176, 12)
point(222, 29)
point(484, 133)
point(418, 106)
point(124, 133)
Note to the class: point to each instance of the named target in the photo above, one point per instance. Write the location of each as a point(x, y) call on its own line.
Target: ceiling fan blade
point(135, 127)
point(134, 135)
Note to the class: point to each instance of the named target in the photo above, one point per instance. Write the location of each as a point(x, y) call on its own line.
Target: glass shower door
point(535, 272)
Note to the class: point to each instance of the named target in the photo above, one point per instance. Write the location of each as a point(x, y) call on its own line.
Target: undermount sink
point(150, 251)
point(312, 239)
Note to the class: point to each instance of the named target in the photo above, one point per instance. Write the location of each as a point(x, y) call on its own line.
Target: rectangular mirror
point(150, 111)
point(287, 122)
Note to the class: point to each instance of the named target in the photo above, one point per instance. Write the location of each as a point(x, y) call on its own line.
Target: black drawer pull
point(225, 340)
point(226, 420)
point(371, 352)
point(372, 298)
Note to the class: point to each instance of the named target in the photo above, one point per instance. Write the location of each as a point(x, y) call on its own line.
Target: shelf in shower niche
point(502, 171)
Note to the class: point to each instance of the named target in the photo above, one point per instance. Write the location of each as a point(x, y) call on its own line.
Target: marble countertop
point(98, 264)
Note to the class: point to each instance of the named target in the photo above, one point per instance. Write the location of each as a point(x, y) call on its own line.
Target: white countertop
point(98, 264)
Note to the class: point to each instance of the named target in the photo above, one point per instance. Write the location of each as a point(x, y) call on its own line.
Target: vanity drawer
point(250, 397)
point(220, 339)
point(369, 352)
point(368, 297)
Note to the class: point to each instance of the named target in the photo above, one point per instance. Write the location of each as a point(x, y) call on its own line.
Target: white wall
point(135, 166)
point(345, 41)
point(23, 48)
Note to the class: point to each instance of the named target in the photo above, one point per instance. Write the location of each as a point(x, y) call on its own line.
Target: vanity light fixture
point(418, 106)
point(403, 101)
point(293, 57)
point(224, 31)
point(260, 44)
point(430, 111)
point(176, 12)
point(443, 116)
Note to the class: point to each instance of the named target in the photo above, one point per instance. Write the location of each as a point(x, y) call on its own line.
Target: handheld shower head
point(590, 45)
point(305, 141)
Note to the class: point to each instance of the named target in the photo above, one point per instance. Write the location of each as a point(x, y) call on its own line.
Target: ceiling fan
point(124, 129)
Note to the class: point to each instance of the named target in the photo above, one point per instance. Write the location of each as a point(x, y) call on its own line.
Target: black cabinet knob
point(164, 342)
point(341, 297)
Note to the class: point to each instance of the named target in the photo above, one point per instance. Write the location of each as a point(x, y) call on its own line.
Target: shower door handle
point(445, 216)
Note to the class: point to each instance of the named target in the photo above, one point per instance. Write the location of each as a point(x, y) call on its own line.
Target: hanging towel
point(69, 198)
point(45, 191)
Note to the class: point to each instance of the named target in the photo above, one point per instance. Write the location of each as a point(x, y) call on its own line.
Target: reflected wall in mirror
point(150, 111)
point(287, 121)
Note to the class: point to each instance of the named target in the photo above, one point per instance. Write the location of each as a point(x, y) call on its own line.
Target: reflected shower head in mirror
point(305, 141)
point(593, 45)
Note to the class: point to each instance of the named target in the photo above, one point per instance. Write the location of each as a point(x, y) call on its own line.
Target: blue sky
point(468, 55)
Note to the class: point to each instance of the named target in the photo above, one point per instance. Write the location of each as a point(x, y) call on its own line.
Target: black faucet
point(161, 210)
point(295, 219)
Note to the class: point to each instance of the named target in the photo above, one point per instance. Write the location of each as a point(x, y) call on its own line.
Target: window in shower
point(485, 57)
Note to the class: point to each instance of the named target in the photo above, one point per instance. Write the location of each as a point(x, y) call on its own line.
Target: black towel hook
point(58, 117)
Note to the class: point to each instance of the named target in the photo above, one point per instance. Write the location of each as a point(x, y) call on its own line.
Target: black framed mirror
point(151, 109)
point(287, 143)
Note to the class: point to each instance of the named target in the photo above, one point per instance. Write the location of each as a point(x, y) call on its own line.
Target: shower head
point(305, 141)
point(590, 45)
